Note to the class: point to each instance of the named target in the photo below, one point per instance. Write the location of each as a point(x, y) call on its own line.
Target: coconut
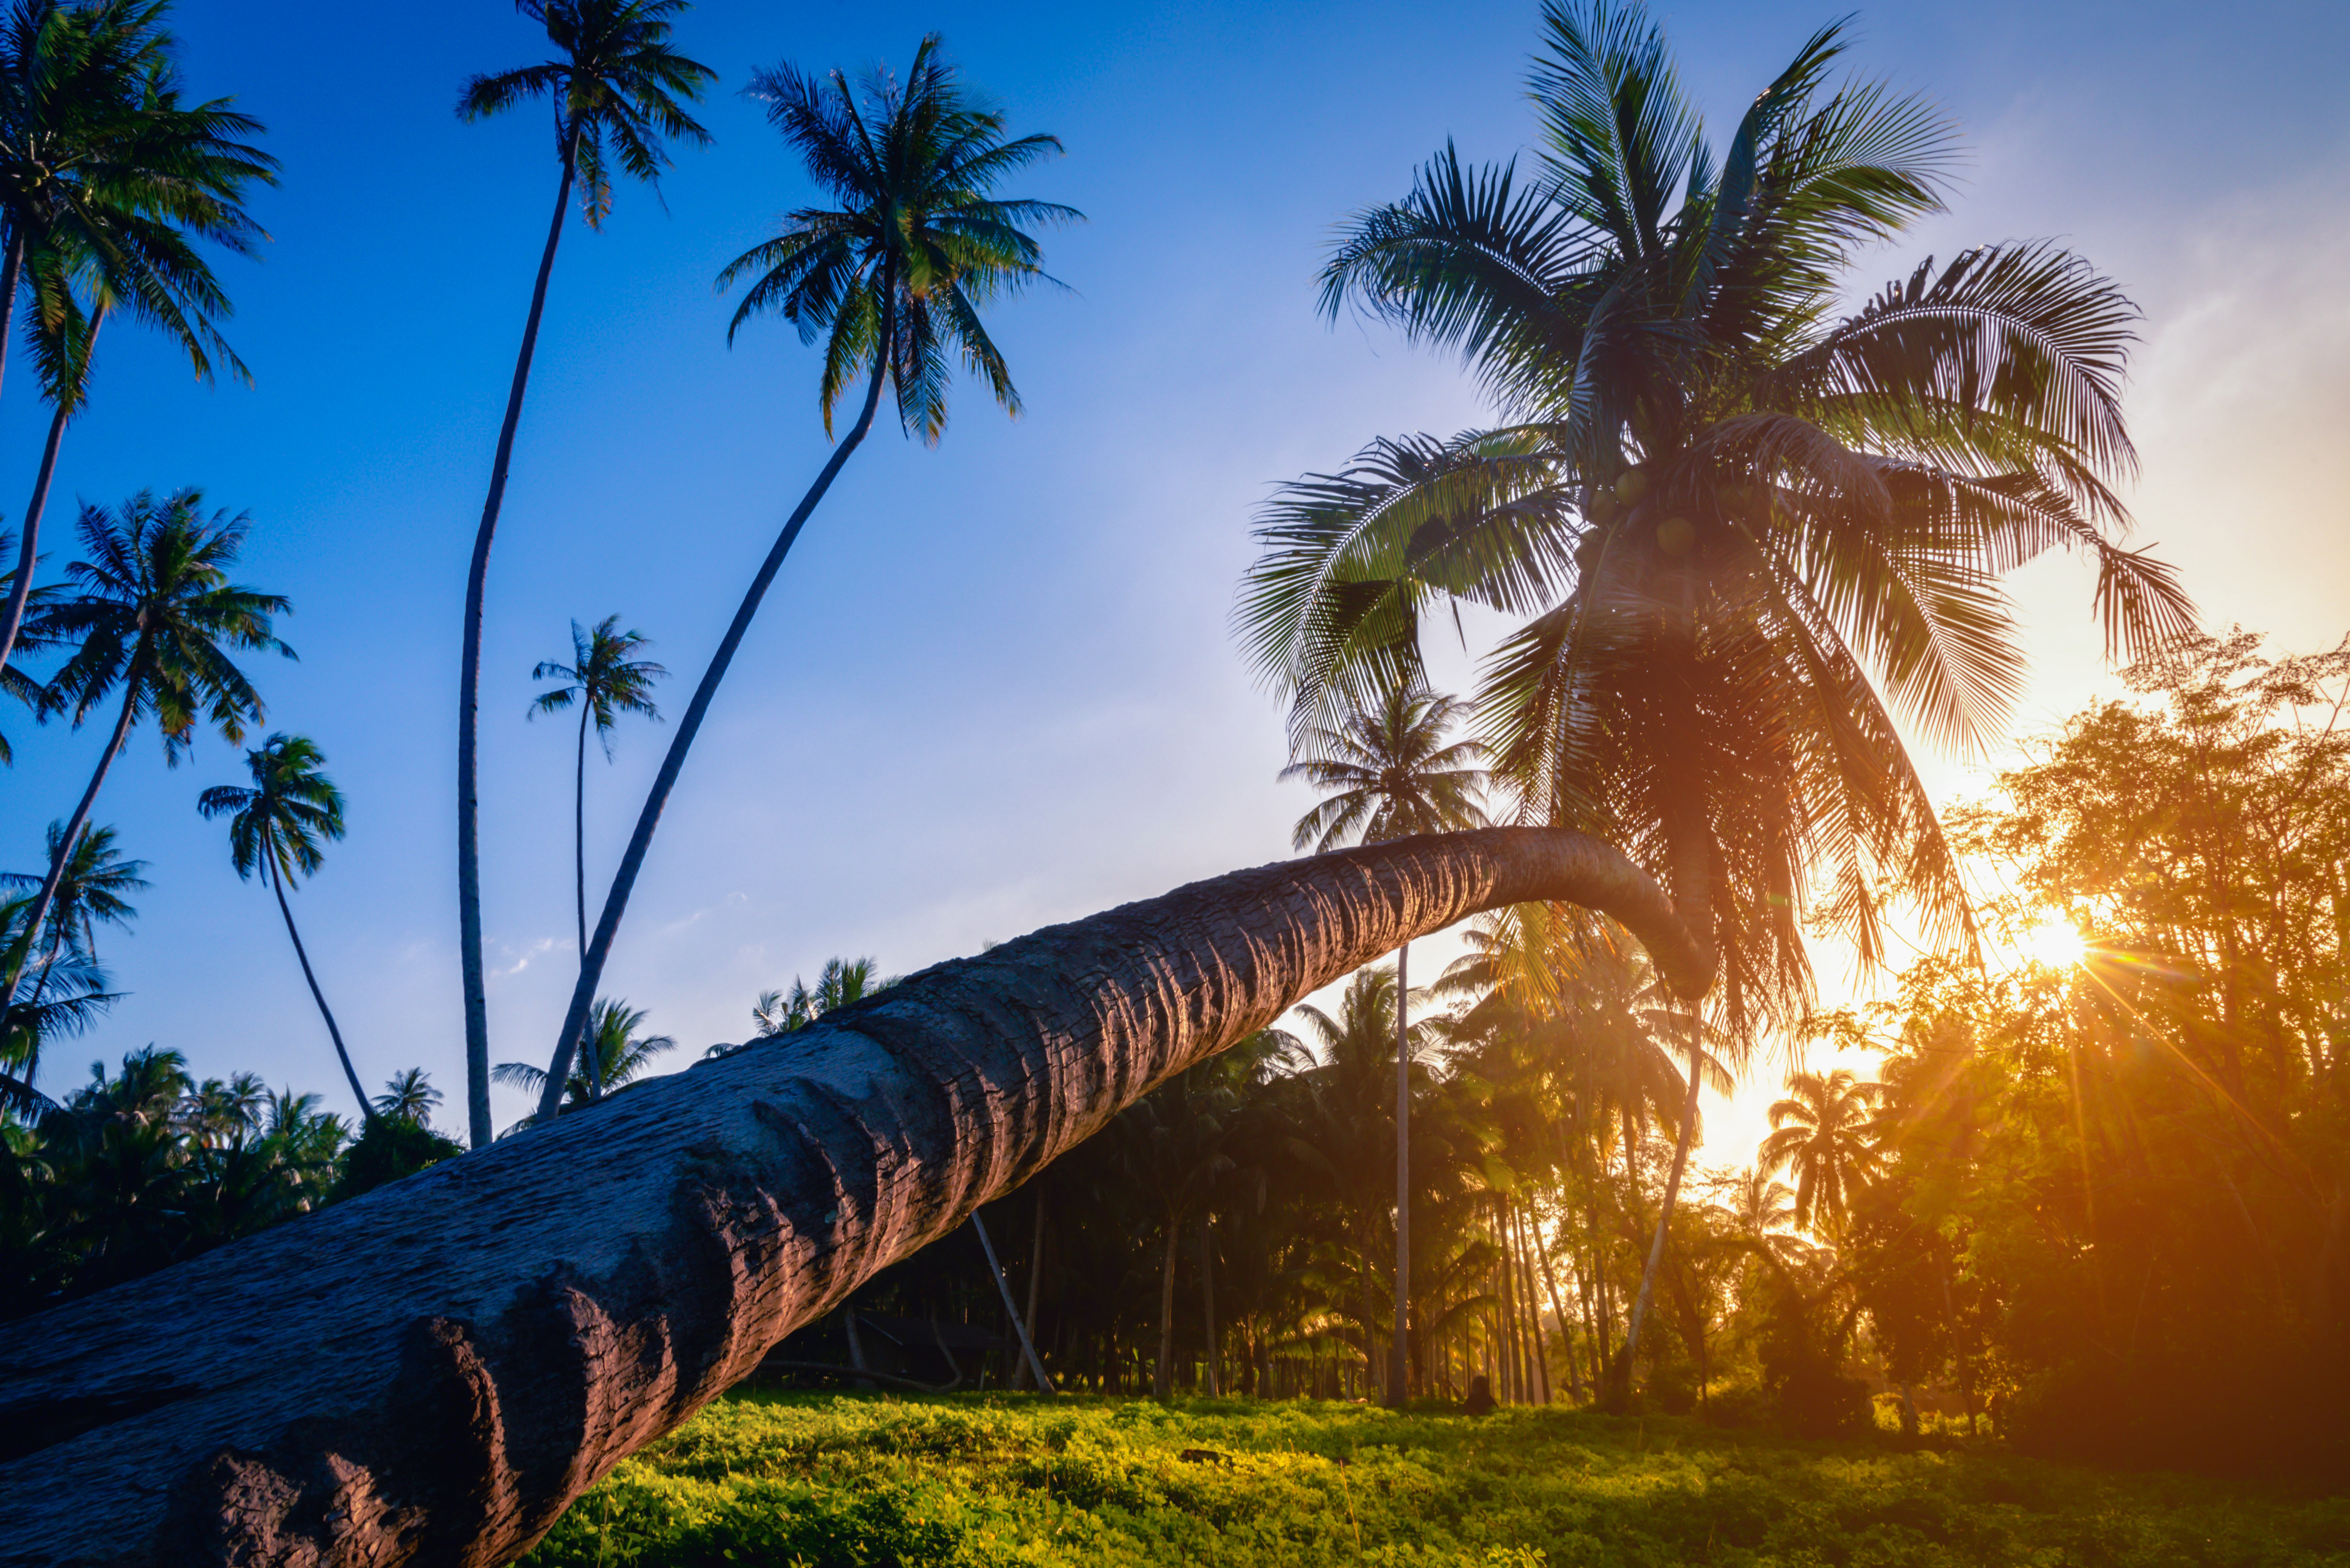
point(1675, 535)
point(1602, 507)
point(1631, 485)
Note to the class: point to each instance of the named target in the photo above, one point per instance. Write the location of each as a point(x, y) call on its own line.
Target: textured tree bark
point(431, 1373)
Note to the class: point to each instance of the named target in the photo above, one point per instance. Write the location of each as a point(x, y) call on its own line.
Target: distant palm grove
point(2068, 1169)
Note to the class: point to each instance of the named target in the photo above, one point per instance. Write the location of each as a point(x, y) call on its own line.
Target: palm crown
point(278, 823)
point(603, 676)
point(619, 90)
point(896, 276)
point(620, 1054)
point(1823, 1132)
point(90, 890)
point(1391, 773)
point(1729, 517)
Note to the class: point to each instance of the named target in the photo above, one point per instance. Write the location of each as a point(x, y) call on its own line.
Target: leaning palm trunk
point(12, 618)
point(478, 1128)
point(48, 896)
point(453, 1358)
point(277, 886)
point(640, 842)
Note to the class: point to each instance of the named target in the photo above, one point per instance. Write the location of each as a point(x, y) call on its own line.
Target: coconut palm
point(275, 827)
point(108, 180)
point(1824, 1132)
point(1387, 773)
point(838, 984)
point(620, 92)
point(14, 682)
point(409, 1097)
point(1728, 513)
point(154, 614)
point(620, 1054)
point(605, 681)
point(894, 279)
point(66, 997)
point(90, 890)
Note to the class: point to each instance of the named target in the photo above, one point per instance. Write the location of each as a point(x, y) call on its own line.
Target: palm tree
point(275, 827)
point(895, 277)
point(14, 682)
point(410, 1098)
point(154, 614)
point(1729, 513)
point(107, 178)
point(619, 1053)
point(65, 1000)
point(620, 92)
point(91, 889)
point(1388, 774)
point(605, 681)
point(838, 984)
point(1824, 1132)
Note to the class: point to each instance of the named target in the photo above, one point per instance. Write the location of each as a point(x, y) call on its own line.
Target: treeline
point(2095, 1205)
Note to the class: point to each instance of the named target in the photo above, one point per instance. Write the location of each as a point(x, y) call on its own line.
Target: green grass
point(849, 1481)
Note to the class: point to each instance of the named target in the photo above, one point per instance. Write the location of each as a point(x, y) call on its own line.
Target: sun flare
point(2054, 943)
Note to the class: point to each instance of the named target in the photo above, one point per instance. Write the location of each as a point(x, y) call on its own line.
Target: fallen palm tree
point(433, 1372)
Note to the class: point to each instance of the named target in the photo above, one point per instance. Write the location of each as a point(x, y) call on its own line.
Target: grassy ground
point(861, 1482)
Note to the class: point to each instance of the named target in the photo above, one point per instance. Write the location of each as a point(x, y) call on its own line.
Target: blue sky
point(995, 686)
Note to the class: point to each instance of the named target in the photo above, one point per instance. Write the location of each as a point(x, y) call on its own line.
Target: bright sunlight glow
point(2054, 943)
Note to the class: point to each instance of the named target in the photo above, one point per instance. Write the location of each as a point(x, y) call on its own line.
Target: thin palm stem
point(1399, 1366)
point(1665, 1211)
point(134, 679)
point(12, 273)
point(469, 826)
point(616, 902)
point(277, 886)
point(12, 620)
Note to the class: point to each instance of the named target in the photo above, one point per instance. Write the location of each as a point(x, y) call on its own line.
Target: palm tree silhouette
point(838, 984)
point(1824, 1133)
point(605, 682)
point(155, 615)
point(275, 827)
point(409, 1097)
point(90, 890)
point(894, 278)
point(620, 92)
point(621, 1055)
point(1729, 512)
point(106, 178)
point(1389, 773)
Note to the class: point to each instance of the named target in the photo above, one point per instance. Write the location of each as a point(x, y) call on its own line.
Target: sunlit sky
point(994, 686)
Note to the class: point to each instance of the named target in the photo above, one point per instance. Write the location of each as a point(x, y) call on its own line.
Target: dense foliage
point(845, 1482)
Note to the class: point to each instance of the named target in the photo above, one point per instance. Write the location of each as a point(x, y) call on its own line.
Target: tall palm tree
point(894, 279)
point(90, 890)
point(606, 680)
point(620, 1054)
point(66, 999)
point(1729, 513)
point(620, 92)
point(276, 826)
point(108, 180)
point(1389, 773)
point(1824, 1133)
point(154, 614)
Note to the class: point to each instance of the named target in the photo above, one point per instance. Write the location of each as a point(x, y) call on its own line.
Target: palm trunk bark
point(12, 275)
point(469, 690)
point(12, 619)
point(277, 885)
point(457, 1356)
point(1162, 1370)
point(1664, 1211)
point(1398, 1362)
point(624, 881)
point(579, 873)
point(134, 679)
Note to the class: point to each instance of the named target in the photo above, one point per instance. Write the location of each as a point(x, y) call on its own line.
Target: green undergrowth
point(860, 1481)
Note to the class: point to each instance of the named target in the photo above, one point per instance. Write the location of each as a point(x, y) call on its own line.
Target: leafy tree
point(108, 180)
point(620, 91)
point(838, 984)
point(154, 614)
point(91, 889)
point(606, 680)
point(409, 1097)
point(1728, 513)
point(275, 827)
point(1387, 772)
point(618, 1054)
point(1821, 1131)
point(894, 278)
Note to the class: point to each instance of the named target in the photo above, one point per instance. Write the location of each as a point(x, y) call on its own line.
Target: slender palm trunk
point(1664, 1211)
point(1208, 1296)
point(469, 693)
point(1161, 1374)
point(12, 273)
point(579, 874)
point(1398, 1363)
point(1557, 1310)
point(132, 680)
point(12, 619)
point(1035, 1280)
point(624, 881)
point(277, 886)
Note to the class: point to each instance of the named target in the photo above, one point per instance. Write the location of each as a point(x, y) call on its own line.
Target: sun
point(2055, 943)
